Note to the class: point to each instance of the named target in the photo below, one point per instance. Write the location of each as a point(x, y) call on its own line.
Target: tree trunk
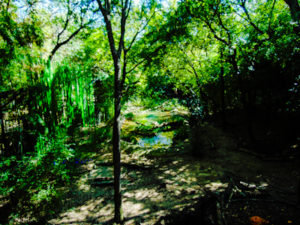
point(116, 143)
point(249, 121)
point(298, 192)
point(294, 9)
point(222, 83)
point(298, 184)
point(105, 8)
point(245, 104)
point(3, 132)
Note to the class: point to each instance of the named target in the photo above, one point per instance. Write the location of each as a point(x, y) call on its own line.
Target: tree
point(106, 10)
point(243, 46)
point(119, 52)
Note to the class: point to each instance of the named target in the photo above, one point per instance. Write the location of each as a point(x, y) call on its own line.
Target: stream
point(161, 139)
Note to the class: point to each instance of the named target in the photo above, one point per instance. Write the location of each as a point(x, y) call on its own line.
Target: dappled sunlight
point(132, 208)
point(151, 194)
point(151, 185)
point(82, 185)
point(150, 191)
point(216, 186)
point(102, 171)
point(93, 210)
point(155, 202)
point(144, 195)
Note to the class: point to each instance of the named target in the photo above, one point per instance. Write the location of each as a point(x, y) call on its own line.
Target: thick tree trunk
point(294, 9)
point(116, 144)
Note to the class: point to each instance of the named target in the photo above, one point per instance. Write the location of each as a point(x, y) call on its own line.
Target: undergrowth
point(32, 181)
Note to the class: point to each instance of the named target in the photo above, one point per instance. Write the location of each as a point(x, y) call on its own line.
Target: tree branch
point(123, 26)
point(58, 45)
point(106, 15)
point(82, 25)
point(214, 33)
point(243, 6)
point(129, 86)
point(271, 16)
point(135, 66)
point(124, 69)
point(138, 32)
point(65, 26)
point(225, 28)
point(192, 66)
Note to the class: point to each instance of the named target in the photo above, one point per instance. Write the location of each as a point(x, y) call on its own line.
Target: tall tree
point(120, 45)
point(116, 52)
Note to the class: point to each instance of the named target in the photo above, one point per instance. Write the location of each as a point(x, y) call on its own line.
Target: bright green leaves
point(71, 88)
point(19, 33)
point(20, 37)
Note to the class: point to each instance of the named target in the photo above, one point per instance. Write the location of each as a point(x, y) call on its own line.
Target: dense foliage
point(220, 58)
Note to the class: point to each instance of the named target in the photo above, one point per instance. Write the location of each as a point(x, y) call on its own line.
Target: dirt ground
point(170, 185)
point(168, 188)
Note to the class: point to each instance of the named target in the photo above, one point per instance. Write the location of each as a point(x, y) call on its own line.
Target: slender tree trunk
point(116, 144)
point(298, 192)
point(222, 83)
point(105, 8)
point(298, 182)
point(3, 132)
point(249, 115)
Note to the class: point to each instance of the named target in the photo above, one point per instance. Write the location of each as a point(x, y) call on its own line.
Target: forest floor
point(163, 183)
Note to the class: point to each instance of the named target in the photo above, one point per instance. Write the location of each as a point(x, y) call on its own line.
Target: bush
point(129, 116)
point(32, 181)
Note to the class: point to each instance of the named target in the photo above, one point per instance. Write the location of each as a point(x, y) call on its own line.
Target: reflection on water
point(152, 117)
point(161, 139)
